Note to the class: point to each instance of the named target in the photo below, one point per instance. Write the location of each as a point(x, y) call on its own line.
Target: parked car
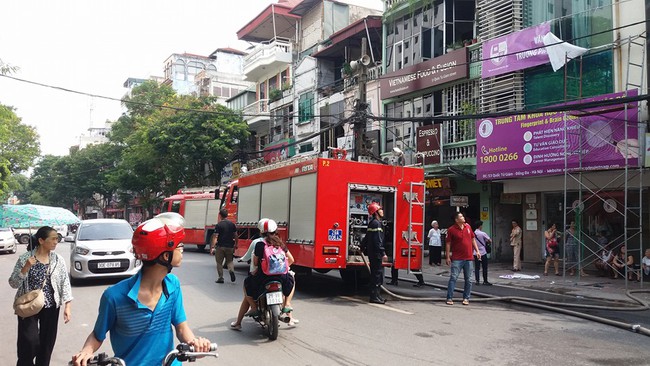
point(102, 248)
point(7, 240)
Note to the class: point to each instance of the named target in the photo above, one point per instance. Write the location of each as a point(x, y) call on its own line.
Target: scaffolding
point(619, 193)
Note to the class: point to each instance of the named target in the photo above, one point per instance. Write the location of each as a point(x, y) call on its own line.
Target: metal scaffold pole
point(587, 193)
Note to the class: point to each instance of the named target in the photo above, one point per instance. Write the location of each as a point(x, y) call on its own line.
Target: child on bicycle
point(138, 311)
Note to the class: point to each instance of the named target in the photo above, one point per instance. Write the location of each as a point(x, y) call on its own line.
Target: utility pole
point(359, 118)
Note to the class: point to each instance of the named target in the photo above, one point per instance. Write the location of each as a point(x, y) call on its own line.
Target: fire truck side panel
point(248, 207)
point(302, 219)
point(275, 200)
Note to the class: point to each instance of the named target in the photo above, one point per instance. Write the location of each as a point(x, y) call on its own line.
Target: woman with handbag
point(42, 269)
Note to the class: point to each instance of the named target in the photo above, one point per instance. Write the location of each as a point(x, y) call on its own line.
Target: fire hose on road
point(558, 307)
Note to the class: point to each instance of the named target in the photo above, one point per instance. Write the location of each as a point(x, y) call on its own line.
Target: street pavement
point(590, 287)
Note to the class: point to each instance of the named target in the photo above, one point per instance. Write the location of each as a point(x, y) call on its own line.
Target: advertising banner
point(428, 143)
point(442, 69)
point(515, 51)
point(647, 150)
point(528, 145)
point(279, 151)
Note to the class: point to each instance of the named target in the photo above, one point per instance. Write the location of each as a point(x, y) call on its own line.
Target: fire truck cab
point(320, 206)
point(200, 208)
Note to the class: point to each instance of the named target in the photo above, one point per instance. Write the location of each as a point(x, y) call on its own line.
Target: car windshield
point(105, 231)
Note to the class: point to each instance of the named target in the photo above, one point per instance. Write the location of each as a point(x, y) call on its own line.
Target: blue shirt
point(139, 335)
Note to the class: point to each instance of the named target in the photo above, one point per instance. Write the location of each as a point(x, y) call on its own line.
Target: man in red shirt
point(461, 244)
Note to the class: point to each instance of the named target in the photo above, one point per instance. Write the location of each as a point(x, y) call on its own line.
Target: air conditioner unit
point(389, 158)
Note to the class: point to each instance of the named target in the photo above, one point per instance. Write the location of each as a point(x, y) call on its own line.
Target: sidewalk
point(500, 274)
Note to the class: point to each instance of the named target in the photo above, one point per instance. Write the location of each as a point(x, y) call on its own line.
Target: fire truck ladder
point(414, 204)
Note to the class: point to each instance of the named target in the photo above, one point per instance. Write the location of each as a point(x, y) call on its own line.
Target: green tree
point(185, 144)
point(18, 146)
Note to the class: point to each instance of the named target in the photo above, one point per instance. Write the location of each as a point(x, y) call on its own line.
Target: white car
point(7, 240)
point(102, 248)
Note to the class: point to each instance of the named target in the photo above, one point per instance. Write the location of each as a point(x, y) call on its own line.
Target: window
point(306, 148)
point(306, 107)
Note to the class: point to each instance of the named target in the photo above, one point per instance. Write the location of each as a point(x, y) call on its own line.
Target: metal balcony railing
point(260, 107)
point(268, 49)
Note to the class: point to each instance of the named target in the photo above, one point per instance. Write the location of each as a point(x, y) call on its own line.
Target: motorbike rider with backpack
point(270, 262)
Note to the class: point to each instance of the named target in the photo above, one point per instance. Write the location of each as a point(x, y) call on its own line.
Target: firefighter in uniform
point(376, 252)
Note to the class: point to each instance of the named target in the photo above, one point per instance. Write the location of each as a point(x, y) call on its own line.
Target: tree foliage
point(162, 143)
point(187, 143)
point(18, 146)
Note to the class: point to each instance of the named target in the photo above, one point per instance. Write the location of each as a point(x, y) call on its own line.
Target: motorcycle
point(269, 304)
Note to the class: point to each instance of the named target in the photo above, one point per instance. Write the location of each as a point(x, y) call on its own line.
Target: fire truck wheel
point(201, 248)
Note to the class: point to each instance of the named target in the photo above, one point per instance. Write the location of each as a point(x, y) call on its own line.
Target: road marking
point(385, 307)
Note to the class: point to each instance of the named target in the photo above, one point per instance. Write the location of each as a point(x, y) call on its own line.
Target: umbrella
point(27, 216)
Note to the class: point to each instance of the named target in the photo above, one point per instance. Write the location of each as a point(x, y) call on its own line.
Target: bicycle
point(183, 353)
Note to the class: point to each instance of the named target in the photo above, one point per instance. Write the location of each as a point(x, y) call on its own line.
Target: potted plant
point(275, 94)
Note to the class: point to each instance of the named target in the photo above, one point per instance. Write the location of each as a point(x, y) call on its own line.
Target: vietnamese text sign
point(533, 144)
point(428, 143)
point(459, 201)
point(515, 51)
point(442, 69)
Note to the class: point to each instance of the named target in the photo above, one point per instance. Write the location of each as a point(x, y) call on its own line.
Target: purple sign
point(516, 51)
point(527, 145)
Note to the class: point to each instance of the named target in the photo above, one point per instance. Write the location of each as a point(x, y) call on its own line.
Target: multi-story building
point(430, 55)
point(268, 66)
point(453, 57)
point(218, 75)
point(293, 87)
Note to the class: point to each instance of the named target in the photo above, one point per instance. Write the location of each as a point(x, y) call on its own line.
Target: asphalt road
point(338, 327)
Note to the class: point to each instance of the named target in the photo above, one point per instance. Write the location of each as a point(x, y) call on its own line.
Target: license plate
point(108, 265)
point(273, 298)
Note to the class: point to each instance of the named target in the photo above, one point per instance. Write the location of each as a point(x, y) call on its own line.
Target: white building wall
point(312, 28)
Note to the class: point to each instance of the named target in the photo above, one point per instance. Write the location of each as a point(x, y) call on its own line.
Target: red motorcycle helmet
point(373, 207)
point(161, 234)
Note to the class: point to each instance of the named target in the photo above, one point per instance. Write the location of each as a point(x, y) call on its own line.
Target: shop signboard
point(440, 70)
point(529, 145)
point(459, 201)
point(429, 144)
point(278, 151)
point(515, 51)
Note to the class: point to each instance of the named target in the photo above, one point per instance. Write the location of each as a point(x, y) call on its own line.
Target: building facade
point(434, 37)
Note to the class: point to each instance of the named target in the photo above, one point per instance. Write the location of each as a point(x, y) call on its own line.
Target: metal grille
point(460, 99)
point(498, 18)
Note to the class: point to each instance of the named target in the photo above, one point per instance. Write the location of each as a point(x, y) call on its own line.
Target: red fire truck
point(200, 209)
point(320, 206)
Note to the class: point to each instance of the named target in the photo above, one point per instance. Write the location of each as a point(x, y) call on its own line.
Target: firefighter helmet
point(161, 234)
point(373, 207)
point(267, 226)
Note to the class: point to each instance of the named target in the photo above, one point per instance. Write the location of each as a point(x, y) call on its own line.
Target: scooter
point(183, 353)
point(269, 304)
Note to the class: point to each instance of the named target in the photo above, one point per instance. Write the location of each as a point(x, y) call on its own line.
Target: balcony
point(373, 73)
point(267, 58)
point(257, 112)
